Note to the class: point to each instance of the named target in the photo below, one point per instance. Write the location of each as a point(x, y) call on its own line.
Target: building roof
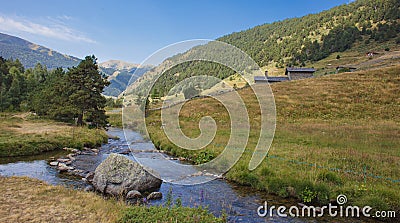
point(277, 79)
point(300, 69)
point(270, 79)
point(260, 78)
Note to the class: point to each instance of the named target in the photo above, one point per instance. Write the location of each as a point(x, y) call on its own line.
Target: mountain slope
point(316, 36)
point(29, 54)
point(364, 24)
point(119, 74)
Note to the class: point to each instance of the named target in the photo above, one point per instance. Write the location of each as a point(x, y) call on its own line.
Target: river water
point(238, 202)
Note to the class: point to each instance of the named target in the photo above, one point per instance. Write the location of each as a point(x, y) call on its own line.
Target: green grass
point(22, 135)
point(139, 214)
point(334, 134)
point(115, 119)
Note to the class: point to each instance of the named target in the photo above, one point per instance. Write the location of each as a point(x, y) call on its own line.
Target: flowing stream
point(238, 202)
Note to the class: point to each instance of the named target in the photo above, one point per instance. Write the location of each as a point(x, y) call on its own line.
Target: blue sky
point(132, 30)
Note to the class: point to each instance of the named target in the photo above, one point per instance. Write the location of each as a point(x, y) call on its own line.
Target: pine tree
point(86, 86)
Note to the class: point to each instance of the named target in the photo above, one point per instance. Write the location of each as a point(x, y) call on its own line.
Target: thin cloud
point(65, 17)
point(56, 31)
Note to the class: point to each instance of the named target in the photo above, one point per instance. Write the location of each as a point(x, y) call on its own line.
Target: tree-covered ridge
point(176, 74)
point(291, 42)
point(313, 37)
point(29, 54)
point(58, 94)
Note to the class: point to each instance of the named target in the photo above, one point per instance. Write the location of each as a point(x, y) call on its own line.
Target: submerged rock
point(154, 196)
point(63, 160)
point(54, 163)
point(89, 177)
point(71, 157)
point(133, 194)
point(62, 167)
point(117, 175)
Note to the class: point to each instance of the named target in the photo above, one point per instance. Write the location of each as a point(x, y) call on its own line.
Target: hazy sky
point(132, 30)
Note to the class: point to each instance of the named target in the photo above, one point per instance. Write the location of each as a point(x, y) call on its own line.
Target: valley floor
point(336, 134)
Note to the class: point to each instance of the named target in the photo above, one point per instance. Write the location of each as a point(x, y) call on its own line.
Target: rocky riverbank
point(116, 175)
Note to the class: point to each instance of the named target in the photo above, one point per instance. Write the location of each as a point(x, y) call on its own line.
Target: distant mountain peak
point(120, 74)
point(118, 65)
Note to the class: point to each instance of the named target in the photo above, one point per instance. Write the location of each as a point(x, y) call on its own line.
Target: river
point(238, 202)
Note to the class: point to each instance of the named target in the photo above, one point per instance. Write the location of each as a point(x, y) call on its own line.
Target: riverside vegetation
point(30, 200)
point(335, 134)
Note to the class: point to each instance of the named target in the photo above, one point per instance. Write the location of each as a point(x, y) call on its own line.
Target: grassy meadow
point(24, 134)
point(29, 200)
point(336, 134)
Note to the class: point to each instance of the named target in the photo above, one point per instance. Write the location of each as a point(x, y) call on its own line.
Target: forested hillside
point(313, 37)
point(294, 42)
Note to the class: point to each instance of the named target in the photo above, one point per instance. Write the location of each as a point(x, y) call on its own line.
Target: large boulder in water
point(117, 175)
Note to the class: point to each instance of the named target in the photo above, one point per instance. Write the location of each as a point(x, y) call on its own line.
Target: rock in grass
point(68, 149)
point(88, 188)
point(117, 175)
point(133, 194)
point(154, 196)
point(291, 191)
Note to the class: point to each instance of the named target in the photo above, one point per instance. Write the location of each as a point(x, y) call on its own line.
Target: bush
point(308, 195)
point(204, 157)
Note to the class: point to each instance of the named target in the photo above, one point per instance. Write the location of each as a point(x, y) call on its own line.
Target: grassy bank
point(29, 200)
point(336, 134)
point(114, 117)
point(23, 134)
